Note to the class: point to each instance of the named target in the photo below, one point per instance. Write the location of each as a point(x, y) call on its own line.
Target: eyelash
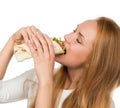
point(78, 41)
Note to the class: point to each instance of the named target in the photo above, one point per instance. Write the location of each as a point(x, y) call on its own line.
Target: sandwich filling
point(61, 44)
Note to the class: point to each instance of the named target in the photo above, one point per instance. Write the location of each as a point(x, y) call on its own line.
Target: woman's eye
point(78, 41)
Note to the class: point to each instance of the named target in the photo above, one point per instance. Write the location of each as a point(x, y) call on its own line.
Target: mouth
point(65, 51)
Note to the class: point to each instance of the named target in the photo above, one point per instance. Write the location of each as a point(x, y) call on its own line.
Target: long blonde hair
point(103, 74)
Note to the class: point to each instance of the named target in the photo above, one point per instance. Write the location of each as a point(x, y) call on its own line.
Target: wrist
point(10, 44)
point(45, 83)
point(45, 86)
point(12, 39)
point(8, 48)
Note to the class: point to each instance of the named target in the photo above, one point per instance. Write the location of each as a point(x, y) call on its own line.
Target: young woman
point(89, 73)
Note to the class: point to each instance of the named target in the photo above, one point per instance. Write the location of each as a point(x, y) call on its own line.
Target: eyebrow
point(80, 32)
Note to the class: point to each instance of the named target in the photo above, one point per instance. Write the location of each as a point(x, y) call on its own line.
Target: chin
point(60, 58)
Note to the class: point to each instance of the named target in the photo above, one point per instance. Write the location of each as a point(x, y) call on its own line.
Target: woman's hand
point(6, 53)
point(43, 54)
point(41, 48)
point(42, 51)
point(22, 35)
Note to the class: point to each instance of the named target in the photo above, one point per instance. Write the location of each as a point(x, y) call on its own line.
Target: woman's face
point(78, 45)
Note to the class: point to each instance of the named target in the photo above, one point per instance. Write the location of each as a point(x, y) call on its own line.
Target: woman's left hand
point(43, 54)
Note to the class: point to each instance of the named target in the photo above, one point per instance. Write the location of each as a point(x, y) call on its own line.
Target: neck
point(74, 74)
point(73, 77)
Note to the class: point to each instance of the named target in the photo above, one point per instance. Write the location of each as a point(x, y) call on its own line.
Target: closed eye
point(78, 41)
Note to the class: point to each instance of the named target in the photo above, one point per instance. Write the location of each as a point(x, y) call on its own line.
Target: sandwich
point(22, 52)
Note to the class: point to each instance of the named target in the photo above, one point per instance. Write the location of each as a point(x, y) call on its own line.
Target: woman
point(90, 68)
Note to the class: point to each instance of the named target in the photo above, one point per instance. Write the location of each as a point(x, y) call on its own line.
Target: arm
point(43, 56)
point(6, 53)
point(15, 89)
point(44, 95)
point(12, 90)
point(5, 56)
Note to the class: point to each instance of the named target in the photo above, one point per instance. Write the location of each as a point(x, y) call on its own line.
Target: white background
point(55, 18)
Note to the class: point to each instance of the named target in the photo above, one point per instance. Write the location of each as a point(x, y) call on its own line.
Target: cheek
point(77, 57)
point(74, 57)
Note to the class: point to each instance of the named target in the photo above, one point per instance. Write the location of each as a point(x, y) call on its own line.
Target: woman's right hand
point(22, 35)
point(42, 51)
point(7, 51)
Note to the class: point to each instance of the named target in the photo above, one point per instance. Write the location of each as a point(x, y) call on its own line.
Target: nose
point(69, 38)
point(65, 36)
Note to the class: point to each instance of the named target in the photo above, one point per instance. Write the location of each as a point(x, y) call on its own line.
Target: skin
point(78, 48)
point(78, 45)
point(5, 56)
point(7, 52)
point(31, 36)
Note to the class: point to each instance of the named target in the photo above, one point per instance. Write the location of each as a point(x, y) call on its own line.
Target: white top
point(13, 90)
point(65, 94)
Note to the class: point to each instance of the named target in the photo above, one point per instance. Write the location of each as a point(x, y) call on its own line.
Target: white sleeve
point(13, 90)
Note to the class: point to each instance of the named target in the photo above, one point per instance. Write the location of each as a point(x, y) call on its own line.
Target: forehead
point(88, 29)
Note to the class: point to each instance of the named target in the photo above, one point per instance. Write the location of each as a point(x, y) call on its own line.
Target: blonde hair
point(103, 74)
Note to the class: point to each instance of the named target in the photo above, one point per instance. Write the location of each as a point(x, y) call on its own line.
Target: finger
point(30, 34)
point(33, 51)
point(18, 38)
point(39, 35)
point(38, 45)
point(35, 30)
point(24, 33)
point(50, 45)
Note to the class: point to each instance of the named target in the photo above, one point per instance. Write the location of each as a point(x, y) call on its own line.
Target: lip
point(65, 44)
